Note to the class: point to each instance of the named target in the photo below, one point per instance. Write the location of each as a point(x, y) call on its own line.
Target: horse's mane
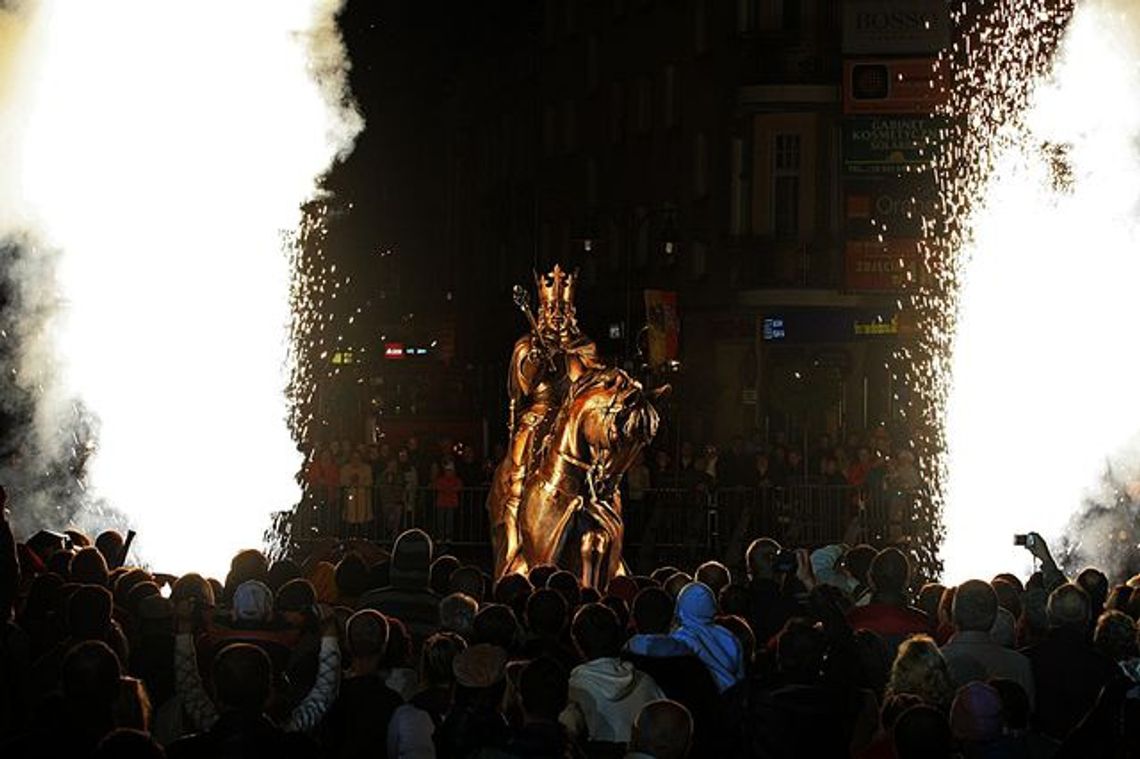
point(596, 379)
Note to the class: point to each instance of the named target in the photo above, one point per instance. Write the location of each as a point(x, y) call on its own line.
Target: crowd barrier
point(674, 525)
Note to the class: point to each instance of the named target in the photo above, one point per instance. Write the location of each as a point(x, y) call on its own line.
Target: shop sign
point(890, 144)
point(893, 206)
point(829, 325)
point(893, 86)
point(895, 27)
point(887, 266)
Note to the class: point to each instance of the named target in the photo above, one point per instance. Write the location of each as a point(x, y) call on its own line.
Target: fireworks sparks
point(1024, 361)
point(163, 151)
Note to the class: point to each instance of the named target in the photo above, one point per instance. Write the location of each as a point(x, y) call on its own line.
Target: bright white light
point(164, 148)
point(1045, 367)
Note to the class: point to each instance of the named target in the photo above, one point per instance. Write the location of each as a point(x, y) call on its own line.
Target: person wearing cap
point(475, 720)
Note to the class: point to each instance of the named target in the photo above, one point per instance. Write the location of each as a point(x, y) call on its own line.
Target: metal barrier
point(662, 525)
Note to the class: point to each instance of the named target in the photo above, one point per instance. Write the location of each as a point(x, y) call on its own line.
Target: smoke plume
point(156, 157)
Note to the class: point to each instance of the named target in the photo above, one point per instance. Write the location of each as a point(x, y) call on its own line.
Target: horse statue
point(570, 511)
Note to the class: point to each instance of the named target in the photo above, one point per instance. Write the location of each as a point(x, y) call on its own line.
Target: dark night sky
point(403, 54)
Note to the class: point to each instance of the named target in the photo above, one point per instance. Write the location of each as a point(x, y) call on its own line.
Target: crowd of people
point(373, 489)
point(353, 651)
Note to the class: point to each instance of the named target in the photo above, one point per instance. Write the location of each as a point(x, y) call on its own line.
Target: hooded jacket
point(608, 693)
point(714, 645)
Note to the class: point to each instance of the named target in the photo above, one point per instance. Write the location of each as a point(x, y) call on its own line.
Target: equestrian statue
point(576, 425)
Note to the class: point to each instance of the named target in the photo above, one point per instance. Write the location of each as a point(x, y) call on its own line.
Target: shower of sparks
point(1029, 377)
point(160, 153)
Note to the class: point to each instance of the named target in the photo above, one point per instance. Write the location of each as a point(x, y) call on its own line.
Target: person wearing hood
point(606, 693)
point(408, 596)
point(677, 671)
point(716, 647)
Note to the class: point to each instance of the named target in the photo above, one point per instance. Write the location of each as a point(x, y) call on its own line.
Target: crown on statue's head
point(555, 288)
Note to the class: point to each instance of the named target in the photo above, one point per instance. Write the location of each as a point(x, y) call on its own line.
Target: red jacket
point(447, 487)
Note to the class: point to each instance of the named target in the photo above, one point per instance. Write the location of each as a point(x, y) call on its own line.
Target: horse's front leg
point(593, 547)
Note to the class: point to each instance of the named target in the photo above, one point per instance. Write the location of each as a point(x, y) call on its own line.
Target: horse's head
point(611, 419)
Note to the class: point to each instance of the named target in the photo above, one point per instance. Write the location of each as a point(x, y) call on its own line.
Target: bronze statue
point(576, 426)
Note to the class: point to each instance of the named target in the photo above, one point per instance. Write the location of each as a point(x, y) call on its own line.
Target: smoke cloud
point(156, 156)
point(1043, 396)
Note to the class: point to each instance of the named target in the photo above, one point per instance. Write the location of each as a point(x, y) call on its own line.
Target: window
point(786, 185)
point(668, 109)
point(701, 166)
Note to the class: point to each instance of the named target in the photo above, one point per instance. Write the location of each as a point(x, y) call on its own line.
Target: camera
point(1028, 540)
point(785, 561)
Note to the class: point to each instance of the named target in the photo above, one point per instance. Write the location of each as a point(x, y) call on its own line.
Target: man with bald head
point(1068, 671)
point(663, 730)
point(770, 604)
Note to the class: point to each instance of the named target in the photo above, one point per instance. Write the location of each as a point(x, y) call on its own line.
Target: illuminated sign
point(895, 27)
point(890, 144)
point(886, 266)
point(399, 351)
point(906, 86)
point(877, 326)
